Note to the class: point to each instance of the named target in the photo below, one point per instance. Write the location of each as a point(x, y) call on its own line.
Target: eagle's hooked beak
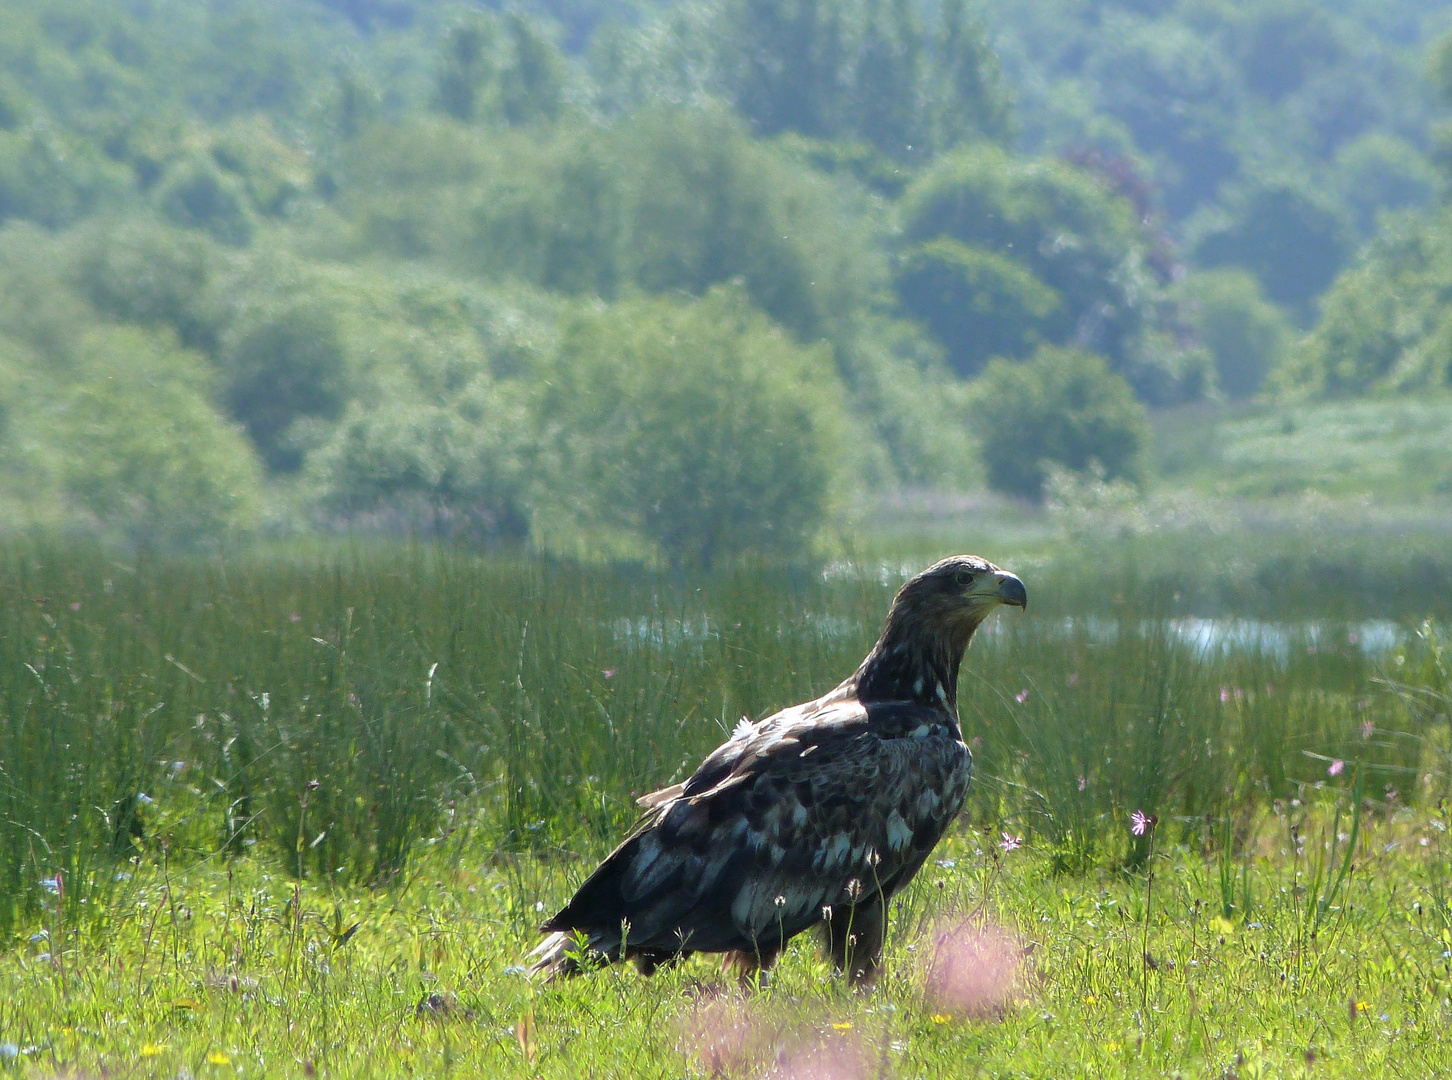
point(1011, 590)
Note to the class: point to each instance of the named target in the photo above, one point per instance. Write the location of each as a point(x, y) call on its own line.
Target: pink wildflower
point(1141, 823)
point(609, 673)
point(1021, 696)
point(1336, 768)
point(1367, 727)
point(1010, 842)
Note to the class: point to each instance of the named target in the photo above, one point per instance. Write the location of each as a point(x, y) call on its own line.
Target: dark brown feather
point(818, 813)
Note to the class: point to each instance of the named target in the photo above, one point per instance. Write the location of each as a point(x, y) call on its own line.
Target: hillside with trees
point(682, 280)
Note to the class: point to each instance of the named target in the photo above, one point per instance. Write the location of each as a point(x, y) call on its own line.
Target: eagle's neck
point(915, 662)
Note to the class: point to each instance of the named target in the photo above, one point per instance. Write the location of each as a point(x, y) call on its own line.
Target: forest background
point(691, 281)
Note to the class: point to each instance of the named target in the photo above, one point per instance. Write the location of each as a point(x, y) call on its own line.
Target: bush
point(1063, 407)
point(1247, 335)
point(1063, 230)
point(1289, 237)
point(280, 367)
point(147, 456)
point(196, 194)
point(978, 304)
point(458, 468)
point(699, 427)
point(1384, 323)
point(143, 272)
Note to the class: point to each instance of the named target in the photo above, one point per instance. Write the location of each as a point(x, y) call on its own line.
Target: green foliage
point(668, 201)
point(1291, 239)
point(460, 468)
point(700, 427)
point(1042, 245)
point(1063, 407)
point(865, 71)
point(146, 453)
point(1379, 174)
point(1384, 323)
point(497, 70)
point(977, 303)
point(53, 178)
point(283, 366)
point(1248, 336)
point(196, 193)
point(142, 272)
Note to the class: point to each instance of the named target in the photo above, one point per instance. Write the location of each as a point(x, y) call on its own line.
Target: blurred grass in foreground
point(338, 715)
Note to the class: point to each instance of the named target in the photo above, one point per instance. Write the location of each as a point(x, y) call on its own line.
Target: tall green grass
point(335, 713)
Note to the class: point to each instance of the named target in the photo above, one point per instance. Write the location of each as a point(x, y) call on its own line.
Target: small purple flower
point(1336, 768)
point(1021, 696)
point(1083, 784)
point(76, 606)
point(1141, 823)
point(1010, 842)
point(1367, 728)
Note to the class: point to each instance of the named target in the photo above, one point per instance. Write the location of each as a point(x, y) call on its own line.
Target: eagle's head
point(932, 619)
point(956, 594)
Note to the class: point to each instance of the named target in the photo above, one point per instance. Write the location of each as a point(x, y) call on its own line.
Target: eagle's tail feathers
point(569, 952)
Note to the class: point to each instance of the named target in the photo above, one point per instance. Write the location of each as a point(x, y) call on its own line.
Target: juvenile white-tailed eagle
point(817, 814)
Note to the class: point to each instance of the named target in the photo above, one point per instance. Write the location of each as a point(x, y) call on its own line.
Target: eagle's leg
point(745, 964)
point(648, 961)
point(854, 939)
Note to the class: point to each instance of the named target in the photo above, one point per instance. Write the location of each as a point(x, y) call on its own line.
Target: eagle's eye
point(964, 578)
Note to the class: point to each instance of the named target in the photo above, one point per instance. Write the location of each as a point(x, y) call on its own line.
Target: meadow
point(298, 811)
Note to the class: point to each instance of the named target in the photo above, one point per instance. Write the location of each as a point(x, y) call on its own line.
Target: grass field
point(1388, 449)
point(212, 771)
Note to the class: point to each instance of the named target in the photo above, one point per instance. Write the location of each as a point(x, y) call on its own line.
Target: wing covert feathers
point(813, 809)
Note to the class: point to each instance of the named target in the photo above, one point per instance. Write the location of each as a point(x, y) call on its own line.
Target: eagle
point(814, 816)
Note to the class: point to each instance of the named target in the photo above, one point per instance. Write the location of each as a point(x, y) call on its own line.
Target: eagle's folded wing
point(815, 807)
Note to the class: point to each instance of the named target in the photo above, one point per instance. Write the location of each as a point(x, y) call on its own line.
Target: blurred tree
point(785, 61)
point(699, 427)
point(532, 81)
point(1177, 94)
point(867, 71)
point(1385, 323)
point(1063, 407)
point(146, 454)
point(966, 97)
point(458, 467)
point(281, 366)
point(143, 272)
point(977, 303)
point(1248, 336)
point(53, 178)
point(1290, 238)
point(468, 68)
point(1380, 172)
point(509, 73)
point(1069, 261)
point(197, 194)
point(1280, 44)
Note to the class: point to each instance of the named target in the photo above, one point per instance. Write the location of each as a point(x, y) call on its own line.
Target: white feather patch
point(898, 833)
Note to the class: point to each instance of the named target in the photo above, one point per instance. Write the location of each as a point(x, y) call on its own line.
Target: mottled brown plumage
point(815, 815)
